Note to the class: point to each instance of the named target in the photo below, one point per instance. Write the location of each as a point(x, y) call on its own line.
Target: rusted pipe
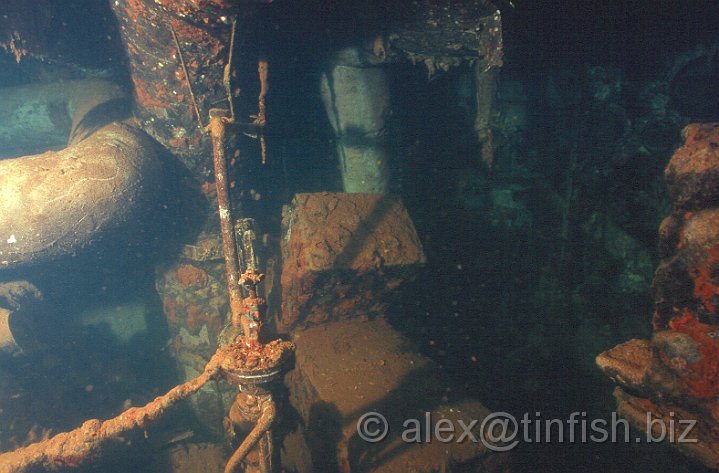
point(266, 450)
point(218, 134)
point(269, 412)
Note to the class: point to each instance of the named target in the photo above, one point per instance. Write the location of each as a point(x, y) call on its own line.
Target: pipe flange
point(252, 364)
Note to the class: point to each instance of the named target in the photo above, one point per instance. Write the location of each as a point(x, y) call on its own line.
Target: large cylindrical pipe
point(357, 100)
point(163, 102)
point(59, 201)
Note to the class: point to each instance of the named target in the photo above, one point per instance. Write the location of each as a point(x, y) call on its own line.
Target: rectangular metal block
point(343, 254)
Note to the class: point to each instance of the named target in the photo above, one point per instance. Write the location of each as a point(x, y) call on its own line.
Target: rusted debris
point(252, 305)
point(261, 111)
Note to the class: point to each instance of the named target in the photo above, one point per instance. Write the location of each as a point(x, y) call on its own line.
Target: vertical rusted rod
point(218, 133)
point(261, 109)
point(266, 449)
point(187, 77)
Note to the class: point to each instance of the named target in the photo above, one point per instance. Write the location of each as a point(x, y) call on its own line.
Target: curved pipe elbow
point(53, 203)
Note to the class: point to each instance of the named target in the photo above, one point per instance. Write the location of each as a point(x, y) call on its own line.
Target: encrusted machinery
point(254, 410)
point(255, 370)
point(674, 377)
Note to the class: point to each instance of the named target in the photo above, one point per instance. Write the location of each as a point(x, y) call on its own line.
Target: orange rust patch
point(648, 405)
point(188, 33)
point(705, 289)
point(168, 306)
point(14, 46)
point(209, 189)
point(177, 143)
point(188, 275)
point(701, 378)
point(173, 6)
point(149, 99)
point(345, 305)
point(135, 9)
point(195, 317)
point(695, 132)
point(131, 47)
point(198, 5)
